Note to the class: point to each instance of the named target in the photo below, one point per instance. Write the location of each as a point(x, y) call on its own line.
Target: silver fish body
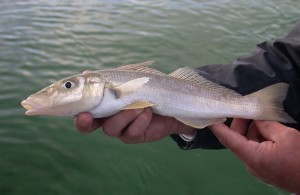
point(182, 94)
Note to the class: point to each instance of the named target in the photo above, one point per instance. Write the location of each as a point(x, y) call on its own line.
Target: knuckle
point(132, 136)
point(133, 133)
point(109, 131)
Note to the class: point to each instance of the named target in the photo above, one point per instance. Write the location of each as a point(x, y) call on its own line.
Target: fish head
point(66, 97)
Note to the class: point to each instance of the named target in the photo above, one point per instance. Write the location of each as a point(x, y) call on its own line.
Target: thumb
point(270, 130)
point(229, 138)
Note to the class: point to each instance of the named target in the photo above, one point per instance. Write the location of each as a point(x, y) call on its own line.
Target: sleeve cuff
point(203, 138)
point(188, 138)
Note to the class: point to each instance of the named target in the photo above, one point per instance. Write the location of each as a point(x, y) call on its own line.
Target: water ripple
point(43, 41)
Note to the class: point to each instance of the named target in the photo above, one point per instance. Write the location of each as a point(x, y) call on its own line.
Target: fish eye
point(68, 85)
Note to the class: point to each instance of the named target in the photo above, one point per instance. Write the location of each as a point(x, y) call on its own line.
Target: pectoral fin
point(129, 87)
point(138, 104)
point(201, 123)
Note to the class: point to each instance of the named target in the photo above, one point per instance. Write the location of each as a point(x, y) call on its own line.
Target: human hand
point(133, 126)
point(269, 150)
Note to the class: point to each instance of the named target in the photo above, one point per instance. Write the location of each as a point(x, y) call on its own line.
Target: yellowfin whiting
point(183, 94)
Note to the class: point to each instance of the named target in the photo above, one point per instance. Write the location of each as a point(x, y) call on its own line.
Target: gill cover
point(66, 97)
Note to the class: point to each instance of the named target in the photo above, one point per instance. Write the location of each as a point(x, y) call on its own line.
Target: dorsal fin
point(137, 65)
point(190, 75)
point(140, 67)
point(187, 74)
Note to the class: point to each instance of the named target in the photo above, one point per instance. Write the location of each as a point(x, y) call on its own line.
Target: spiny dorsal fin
point(190, 75)
point(129, 87)
point(138, 104)
point(132, 66)
point(187, 74)
point(140, 67)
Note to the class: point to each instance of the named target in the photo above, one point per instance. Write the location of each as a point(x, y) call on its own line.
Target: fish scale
point(183, 94)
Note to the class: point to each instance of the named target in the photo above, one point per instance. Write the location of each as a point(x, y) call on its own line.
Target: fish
point(182, 94)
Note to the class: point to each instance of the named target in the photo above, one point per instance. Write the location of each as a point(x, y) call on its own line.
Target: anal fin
point(138, 104)
point(201, 123)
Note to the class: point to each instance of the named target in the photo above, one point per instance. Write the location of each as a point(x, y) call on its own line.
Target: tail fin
point(271, 101)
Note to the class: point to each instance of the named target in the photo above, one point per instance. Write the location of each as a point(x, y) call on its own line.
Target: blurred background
point(43, 41)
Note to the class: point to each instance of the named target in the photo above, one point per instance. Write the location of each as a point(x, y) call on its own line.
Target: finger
point(86, 71)
point(135, 132)
point(230, 139)
point(84, 122)
point(162, 126)
point(270, 130)
point(114, 125)
point(243, 148)
point(240, 125)
point(253, 134)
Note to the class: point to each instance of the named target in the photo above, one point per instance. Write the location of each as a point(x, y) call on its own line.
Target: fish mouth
point(32, 108)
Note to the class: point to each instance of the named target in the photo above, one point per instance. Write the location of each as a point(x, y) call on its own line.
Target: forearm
point(269, 63)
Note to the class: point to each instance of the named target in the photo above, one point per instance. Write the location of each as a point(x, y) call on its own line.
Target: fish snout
point(26, 105)
point(30, 106)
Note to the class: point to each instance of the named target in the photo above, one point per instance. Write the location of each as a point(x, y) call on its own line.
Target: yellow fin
point(130, 86)
point(201, 123)
point(138, 104)
point(270, 100)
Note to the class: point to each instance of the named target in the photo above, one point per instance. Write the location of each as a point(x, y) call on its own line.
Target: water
point(43, 41)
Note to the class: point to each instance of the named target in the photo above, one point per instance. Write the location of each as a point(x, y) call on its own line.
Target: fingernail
point(82, 122)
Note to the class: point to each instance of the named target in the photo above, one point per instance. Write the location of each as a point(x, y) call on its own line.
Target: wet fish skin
point(57, 100)
point(182, 94)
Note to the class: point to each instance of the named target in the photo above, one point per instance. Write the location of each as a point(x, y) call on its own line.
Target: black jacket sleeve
point(269, 63)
